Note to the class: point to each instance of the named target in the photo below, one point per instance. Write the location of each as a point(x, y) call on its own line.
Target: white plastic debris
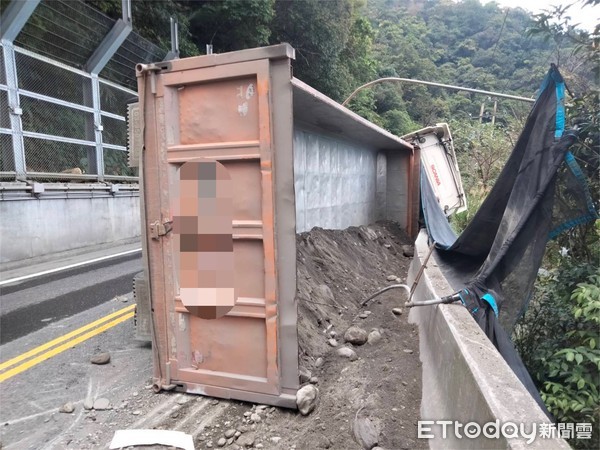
point(126, 438)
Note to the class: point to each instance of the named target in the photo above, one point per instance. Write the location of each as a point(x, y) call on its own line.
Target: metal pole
point(90, 125)
point(413, 288)
point(429, 83)
point(126, 10)
point(99, 157)
point(174, 52)
point(175, 37)
point(14, 106)
point(13, 19)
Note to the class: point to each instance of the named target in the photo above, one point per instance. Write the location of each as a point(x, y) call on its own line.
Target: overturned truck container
point(236, 156)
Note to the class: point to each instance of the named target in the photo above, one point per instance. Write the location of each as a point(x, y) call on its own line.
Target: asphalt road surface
point(50, 327)
point(30, 305)
point(50, 392)
point(46, 369)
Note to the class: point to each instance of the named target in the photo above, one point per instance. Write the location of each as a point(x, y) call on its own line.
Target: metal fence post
point(99, 156)
point(14, 18)
point(174, 52)
point(90, 129)
point(14, 106)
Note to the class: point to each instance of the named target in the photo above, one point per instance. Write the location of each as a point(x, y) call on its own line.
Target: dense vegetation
point(341, 44)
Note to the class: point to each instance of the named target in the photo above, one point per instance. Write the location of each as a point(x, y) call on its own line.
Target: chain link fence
point(58, 121)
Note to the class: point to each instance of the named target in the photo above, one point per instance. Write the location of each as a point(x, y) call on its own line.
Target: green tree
point(399, 122)
point(482, 150)
point(356, 63)
point(230, 24)
point(559, 338)
point(326, 36)
point(462, 43)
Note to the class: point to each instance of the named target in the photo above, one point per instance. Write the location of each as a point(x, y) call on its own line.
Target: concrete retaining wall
point(464, 378)
point(32, 228)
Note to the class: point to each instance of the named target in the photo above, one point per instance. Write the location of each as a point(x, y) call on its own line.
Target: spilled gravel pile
point(365, 360)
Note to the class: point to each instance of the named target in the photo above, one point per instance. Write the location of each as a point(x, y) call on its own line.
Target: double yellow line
point(67, 341)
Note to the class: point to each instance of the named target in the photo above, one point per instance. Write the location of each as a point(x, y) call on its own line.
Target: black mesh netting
point(539, 193)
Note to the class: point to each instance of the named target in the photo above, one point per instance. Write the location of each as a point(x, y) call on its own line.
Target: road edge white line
point(70, 266)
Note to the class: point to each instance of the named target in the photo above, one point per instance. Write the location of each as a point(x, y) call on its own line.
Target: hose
point(435, 301)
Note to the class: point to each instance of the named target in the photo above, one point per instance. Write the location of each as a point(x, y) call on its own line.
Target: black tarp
point(538, 194)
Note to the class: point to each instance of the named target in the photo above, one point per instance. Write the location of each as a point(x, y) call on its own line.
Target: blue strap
point(559, 84)
point(491, 301)
point(570, 224)
point(462, 299)
point(591, 211)
point(576, 170)
point(560, 110)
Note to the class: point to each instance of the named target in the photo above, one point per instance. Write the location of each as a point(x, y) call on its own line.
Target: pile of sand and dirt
point(371, 395)
point(377, 397)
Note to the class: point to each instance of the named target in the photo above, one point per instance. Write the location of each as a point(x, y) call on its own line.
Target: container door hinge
point(158, 229)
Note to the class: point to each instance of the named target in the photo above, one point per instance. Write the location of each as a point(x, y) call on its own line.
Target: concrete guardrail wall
point(464, 377)
point(34, 228)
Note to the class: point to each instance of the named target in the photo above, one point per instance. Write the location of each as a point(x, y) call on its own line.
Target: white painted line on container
point(70, 266)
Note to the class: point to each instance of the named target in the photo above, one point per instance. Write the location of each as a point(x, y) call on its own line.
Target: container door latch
point(158, 229)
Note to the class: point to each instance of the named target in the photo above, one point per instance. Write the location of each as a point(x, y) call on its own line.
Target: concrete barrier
point(465, 379)
point(65, 217)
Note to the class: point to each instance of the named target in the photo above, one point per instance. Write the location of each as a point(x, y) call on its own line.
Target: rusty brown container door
point(211, 210)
